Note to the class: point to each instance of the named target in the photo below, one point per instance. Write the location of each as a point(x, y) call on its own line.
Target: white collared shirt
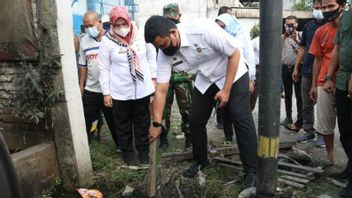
point(205, 49)
point(115, 77)
point(248, 52)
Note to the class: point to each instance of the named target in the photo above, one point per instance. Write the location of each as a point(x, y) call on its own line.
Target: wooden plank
point(287, 144)
point(151, 185)
point(305, 168)
point(295, 174)
point(188, 155)
point(228, 161)
point(295, 179)
point(230, 166)
point(291, 183)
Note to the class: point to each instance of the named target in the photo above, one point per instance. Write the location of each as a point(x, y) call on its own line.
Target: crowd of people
point(131, 79)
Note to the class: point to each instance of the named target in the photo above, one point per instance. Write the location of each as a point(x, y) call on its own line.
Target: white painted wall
point(189, 9)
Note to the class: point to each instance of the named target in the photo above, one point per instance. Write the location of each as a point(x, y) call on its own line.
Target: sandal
point(292, 127)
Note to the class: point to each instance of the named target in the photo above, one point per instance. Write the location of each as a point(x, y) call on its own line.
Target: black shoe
point(193, 170)
point(347, 191)
point(249, 180)
point(188, 143)
point(164, 142)
point(163, 145)
point(129, 160)
point(343, 176)
point(220, 126)
point(286, 121)
point(144, 159)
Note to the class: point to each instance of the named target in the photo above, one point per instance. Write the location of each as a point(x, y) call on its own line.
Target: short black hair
point(157, 26)
point(341, 2)
point(223, 10)
point(320, 1)
point(292, 17)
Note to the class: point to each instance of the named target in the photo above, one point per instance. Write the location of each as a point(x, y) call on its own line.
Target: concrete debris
point(248, 193)
point(128, 191)
point(201, 179)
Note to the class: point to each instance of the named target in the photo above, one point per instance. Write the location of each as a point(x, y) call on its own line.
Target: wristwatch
point(156, 124)
point(328, 78)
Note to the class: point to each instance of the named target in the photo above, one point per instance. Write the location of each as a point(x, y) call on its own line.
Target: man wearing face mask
point(341, 66)
point(221, 78)
point(180, 85)
point(89, 76)
point(231, 25)
point(322, 47)
point(290, 49)
point(307, 68)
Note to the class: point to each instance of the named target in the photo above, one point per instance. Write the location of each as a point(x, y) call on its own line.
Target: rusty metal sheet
point(18, 32)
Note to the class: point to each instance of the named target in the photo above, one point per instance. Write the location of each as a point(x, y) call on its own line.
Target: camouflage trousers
point(181, 85)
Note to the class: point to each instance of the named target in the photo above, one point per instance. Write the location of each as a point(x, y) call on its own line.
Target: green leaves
point(301, 5)
point(255, 31)
point(37, 91)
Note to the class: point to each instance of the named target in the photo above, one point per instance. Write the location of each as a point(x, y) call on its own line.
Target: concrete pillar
point(68, 118)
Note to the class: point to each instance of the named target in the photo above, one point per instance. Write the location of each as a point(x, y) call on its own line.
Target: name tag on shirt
point(177, 63)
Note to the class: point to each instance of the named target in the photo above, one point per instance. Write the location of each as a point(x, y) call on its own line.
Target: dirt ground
point(111, 177)
point(320, 186)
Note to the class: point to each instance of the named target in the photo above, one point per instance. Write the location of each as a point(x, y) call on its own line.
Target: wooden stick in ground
point(151, 185)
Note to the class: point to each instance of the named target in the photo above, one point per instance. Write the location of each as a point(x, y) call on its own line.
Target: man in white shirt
point(93, 102)
point(231, 25)
point(221, 78)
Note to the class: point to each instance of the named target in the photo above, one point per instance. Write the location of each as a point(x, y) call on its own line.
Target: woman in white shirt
point(126, 82)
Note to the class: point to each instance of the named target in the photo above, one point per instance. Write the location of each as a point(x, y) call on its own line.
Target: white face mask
point(317, 14)
point(122, 31)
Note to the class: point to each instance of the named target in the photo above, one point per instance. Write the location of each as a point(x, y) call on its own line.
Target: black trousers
point(223, 114)
point(241, 116)
point(132, 120)
point(344, 121)
point(288, 82)
point(93, 105)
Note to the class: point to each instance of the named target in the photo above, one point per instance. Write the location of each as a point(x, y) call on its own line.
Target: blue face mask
point(318, 14)
point(232, 26)
point(92, 31)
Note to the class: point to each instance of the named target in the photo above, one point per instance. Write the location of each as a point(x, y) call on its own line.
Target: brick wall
point(19, 134)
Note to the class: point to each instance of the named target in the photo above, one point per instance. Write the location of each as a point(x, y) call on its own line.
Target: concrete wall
point(69, 124)
point(37, 168)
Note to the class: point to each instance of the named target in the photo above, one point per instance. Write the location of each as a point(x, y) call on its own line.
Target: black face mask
point(171, 50)
point(332, 15)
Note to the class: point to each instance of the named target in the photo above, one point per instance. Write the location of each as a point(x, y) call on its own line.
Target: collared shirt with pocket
point(205, 49)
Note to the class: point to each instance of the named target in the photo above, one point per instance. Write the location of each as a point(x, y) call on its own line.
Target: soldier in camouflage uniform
point(180, 85)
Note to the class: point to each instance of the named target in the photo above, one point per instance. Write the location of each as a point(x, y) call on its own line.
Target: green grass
point(110, 178)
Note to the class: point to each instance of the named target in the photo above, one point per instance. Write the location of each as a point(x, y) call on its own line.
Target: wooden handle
point(151, 185)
